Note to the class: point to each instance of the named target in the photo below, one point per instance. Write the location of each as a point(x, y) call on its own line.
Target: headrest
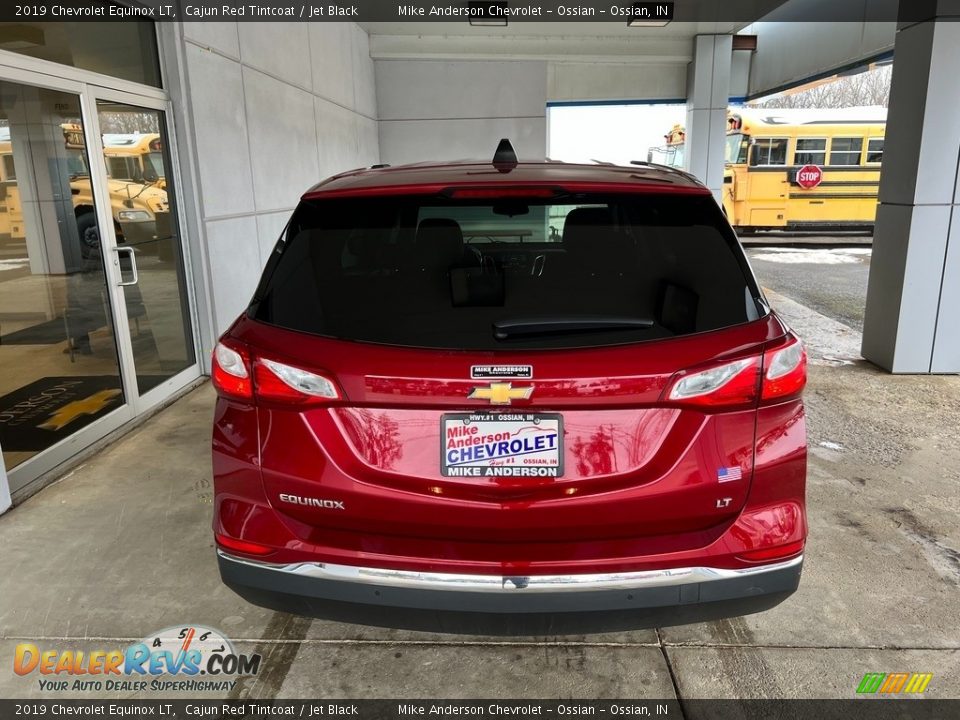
point(439, 242)
point(588, 217)
point(591, 241)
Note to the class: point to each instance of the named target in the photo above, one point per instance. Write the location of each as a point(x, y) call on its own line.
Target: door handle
point(133, 265)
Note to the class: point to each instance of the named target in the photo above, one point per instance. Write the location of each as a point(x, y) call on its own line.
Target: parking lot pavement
point(829, 280)
point(121, 547)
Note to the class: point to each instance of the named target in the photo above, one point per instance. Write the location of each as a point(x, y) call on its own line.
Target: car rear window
point(503, 273)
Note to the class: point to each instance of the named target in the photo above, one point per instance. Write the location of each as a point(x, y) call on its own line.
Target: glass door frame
point(98, 175)
point(89, 88)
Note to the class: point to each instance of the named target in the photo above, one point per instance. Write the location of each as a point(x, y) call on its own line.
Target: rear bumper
point(684, 594)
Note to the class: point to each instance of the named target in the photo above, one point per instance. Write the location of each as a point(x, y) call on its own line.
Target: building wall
point(445, 110)
point(272, 108)
point(605, 81)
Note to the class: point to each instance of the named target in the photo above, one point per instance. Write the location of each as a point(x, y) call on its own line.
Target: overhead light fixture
point(488, 13)
point(650, 14)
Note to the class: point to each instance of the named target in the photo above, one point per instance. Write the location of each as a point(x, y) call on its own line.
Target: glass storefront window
point(57, 345)
point(126, 50)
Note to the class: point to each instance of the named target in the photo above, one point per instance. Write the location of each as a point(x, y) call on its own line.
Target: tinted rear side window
point(577, 271)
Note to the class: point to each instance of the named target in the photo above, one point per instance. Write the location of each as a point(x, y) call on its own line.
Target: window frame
point(849, 153)
point(866, 159)
point(796, 151)
point(769, 141)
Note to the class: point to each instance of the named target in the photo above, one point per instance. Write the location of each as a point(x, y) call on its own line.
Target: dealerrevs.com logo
point(189, 658)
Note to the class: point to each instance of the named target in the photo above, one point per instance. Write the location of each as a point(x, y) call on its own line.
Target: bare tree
point(129, 122)
point(866, 88)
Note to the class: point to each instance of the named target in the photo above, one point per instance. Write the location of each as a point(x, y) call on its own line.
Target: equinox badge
point(313, 502)
point(500, 393)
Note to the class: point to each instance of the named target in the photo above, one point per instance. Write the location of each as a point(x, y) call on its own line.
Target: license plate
point(507, 445)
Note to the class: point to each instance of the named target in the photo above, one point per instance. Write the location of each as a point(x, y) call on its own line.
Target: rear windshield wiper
point(566, 324)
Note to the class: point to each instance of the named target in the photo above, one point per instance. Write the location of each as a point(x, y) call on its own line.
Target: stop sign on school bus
point(809, 176)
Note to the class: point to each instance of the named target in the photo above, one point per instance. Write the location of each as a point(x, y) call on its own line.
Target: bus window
point(117, 168)
point(737, 147)
point(810, 151)
point(9, 171)
point(153, 163)
point(769, 151)
point(846, 151)
point(875, 150)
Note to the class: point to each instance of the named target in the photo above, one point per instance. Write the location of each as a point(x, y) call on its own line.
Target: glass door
point(95, 313)
point(59, 351)
point(146, 248)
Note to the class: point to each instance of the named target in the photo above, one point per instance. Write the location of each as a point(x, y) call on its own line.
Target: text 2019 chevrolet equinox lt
point(530, 393)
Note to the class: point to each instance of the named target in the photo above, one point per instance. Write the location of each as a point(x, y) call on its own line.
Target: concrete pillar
point(708, 91)
point(912, 322)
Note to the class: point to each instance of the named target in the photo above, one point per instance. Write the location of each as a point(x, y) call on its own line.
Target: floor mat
point(45, 333)
point(46, 411)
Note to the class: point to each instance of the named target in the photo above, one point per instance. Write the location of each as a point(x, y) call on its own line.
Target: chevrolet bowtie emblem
point(500, 393)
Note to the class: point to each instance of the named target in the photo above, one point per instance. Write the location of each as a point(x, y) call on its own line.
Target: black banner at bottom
point(873, 708)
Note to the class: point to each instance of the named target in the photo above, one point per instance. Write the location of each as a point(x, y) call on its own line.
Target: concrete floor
point(122, 547)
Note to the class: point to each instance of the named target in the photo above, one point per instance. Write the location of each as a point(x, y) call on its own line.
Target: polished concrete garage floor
point(122, 547)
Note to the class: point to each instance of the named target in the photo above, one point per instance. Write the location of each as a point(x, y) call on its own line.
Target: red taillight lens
point(784, 370)
point(278, 382)
point(728, 384)
point(231, 372)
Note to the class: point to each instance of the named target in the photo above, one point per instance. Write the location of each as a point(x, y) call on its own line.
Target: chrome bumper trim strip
point(415, 580)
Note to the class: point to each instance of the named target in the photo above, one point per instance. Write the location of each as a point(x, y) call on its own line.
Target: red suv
point(528, 393)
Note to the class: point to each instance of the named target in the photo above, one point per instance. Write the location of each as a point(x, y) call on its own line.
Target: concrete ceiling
point(550, 29)
point(594, 41)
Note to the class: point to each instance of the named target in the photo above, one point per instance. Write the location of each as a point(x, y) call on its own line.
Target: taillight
point(738, 383)
point(231, 372)
point(728, 384)
point(785, 370)
point(239, 376)
point(283, 383)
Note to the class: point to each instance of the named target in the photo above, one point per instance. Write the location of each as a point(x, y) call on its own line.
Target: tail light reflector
point(785, 371)
point(778, 552)
point(244, 546)
point(284, 383)
point(728, 384)
point(231, 372)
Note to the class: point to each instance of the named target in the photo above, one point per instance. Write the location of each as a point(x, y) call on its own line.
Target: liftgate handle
point(133, 265)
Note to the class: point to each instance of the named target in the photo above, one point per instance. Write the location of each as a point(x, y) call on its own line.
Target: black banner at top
point(480, 13)
point(491, 709)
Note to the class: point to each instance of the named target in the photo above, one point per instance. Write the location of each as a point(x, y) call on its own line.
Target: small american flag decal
point(729, 474)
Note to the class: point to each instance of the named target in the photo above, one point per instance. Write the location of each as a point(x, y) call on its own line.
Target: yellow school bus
point(139, 207)
point(135, 156)
point(11, 215)
point(797, 169)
